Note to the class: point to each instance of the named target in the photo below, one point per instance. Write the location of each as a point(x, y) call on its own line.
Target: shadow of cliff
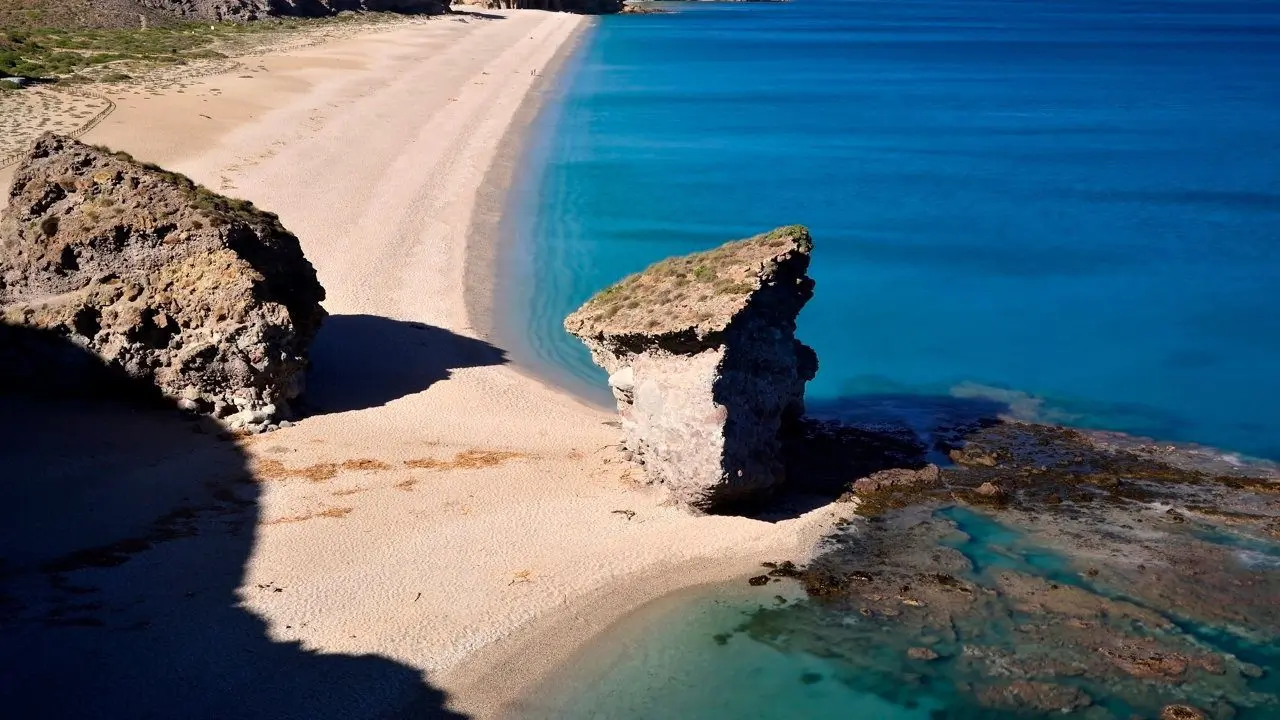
point(127, 527)
point(843, 439)
point(476, 14)
point(363, 361)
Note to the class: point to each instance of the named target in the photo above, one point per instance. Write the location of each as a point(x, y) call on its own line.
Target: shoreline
point(543, 654)
point(485, 240)
point(443, 508)
point(493, 236)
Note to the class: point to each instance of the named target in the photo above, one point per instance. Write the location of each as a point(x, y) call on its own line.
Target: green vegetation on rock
point(700, 289)
point(222, 210)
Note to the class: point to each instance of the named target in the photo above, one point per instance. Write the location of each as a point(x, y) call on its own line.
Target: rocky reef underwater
point(1034, 569)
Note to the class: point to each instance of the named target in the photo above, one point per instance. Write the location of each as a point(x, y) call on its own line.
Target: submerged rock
point(921, 653)
point(208, 299)
point(1181, 712)
point(1031, 696)
point(1044, 570)
point(704, 364)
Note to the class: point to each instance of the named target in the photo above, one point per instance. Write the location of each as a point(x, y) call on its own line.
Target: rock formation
point(206, 298)
point(259, 9)
point(116, 14)
point(585, 7)
point(704, 364)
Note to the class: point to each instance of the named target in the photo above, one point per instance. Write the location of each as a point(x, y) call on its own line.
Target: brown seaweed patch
point(177, 523)
point(336, 513)
point(270, 469)
point(466, 460)
point(365, 464)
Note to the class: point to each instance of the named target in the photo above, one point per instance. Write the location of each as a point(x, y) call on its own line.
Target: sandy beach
point(443, 529)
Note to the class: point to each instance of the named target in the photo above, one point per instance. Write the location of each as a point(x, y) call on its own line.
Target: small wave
point(1256, 560)
point(1019, 405)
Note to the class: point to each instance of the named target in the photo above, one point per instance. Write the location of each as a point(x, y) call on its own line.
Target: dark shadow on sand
point(476, 14)
point(363, 361)
point(126, 531)
point(843, 439)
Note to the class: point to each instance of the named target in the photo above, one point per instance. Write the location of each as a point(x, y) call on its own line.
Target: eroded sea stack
point(704, 363)
point(208, 299)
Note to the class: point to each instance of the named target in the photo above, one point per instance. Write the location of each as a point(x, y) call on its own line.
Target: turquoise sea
point(1071, 207)
point(1066, 209)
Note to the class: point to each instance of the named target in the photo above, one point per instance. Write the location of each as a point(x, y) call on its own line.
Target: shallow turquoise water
point(1070, 206)
point(686, 658)
point(730, 652)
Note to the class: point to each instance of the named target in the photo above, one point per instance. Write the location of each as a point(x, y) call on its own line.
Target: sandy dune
point(443, 522)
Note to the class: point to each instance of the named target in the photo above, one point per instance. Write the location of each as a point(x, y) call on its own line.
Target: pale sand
point(472, 534)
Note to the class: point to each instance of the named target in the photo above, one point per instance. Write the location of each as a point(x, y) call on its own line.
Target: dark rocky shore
point(1043, 569)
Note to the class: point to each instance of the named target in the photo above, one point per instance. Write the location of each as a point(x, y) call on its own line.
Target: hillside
point(100, 14)
point(126, 14)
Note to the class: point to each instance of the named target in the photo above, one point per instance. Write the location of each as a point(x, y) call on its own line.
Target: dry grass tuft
point(275, 470)
point(703, 290)
point(268, 469)
point(466, 460)
point(365, 464)
point(336, 513)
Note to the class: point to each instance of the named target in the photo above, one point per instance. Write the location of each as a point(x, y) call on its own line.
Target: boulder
point(1181, 712)
point(898, 477)
point(207, 299)
point(704, 364)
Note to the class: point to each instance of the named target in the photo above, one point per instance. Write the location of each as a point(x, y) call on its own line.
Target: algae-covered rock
point(704, 364)
point(208, 299)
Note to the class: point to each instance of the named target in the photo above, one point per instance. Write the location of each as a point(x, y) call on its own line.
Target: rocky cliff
point(704, 364)
point(259, 9)
point(118, 14)
point(206, 298)
point(585, 7)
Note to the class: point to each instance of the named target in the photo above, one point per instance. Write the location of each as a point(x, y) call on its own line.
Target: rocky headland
point(704, 364)
point(134, 14)
point(585, 7)
point(206, 298)
point(242, 10)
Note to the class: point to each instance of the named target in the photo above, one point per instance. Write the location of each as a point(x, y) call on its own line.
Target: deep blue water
point(1072, 206)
